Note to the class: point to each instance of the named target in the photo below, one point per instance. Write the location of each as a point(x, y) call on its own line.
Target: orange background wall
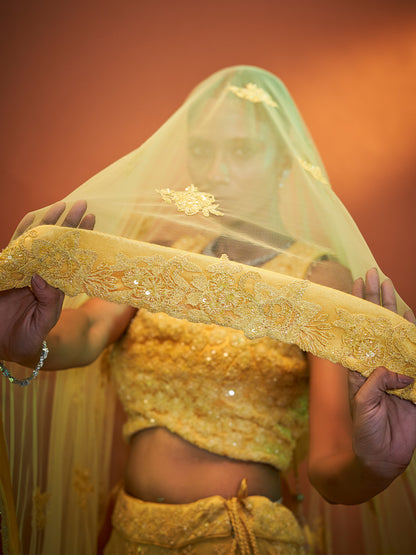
point(85, 82)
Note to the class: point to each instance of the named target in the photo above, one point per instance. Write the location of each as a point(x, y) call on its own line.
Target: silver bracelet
point(43, 355)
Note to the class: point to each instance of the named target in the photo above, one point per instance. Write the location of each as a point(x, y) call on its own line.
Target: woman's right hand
point(28, 314)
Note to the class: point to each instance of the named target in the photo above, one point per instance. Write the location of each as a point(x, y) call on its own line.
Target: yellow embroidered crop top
point(242, 398)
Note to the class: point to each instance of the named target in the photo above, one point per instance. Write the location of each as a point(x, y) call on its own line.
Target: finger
point(49, 307)
point(410, 316)
point(388, 295)
point(87, 222)
point(380, 381)
point(358, 288)
point(372, 286)
point(355, 381)
point(53, 214)
point(75, 214)
point(50, 218)
point(24, 224)
point(389, 380)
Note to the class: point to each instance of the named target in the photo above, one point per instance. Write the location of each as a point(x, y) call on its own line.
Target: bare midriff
point(163, 467)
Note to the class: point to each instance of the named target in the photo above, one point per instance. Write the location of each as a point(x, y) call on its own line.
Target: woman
point(213, 415)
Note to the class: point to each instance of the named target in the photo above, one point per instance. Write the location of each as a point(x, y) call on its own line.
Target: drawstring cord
point(244, 537)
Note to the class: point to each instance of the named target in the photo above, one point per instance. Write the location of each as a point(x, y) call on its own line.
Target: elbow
point(333, 484)
point(325, 485)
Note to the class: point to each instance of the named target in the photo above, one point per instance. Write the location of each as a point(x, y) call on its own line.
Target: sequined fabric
point(246, 399)
point(259, 302)
point(202, 528)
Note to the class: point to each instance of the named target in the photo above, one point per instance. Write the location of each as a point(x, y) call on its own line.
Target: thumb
point(49, 305)
point(390, 380)
point(379, 382)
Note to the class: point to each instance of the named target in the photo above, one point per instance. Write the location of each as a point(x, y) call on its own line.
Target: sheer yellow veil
point(218, 217)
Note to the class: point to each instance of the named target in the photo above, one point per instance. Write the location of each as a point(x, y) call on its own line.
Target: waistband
point(242, 518)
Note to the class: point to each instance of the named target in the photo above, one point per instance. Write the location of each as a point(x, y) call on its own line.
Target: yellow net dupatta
point(235, 170)
point(323, 321)
point(9, 537)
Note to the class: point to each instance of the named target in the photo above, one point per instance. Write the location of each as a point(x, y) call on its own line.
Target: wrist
point(25, 381)
point(26, 355)
point(377, 472)
point(344, 478)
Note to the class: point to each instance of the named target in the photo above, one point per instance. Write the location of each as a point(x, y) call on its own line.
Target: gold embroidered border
point(325, 322)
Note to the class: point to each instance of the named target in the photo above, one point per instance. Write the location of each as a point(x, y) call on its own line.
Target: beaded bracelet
point(44, 353)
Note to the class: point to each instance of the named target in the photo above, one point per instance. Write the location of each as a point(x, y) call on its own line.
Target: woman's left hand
point(28, 314)
point(76, 217)
point(384, 426)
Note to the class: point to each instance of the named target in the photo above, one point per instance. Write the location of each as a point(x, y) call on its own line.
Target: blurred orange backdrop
point(85, 82)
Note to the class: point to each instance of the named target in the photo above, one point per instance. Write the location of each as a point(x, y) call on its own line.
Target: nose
point(218, 172)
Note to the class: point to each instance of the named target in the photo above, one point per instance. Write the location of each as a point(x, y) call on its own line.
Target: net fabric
point(233, 172)
point(254, 156)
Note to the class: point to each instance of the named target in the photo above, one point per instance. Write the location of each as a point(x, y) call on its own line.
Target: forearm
point(81, 334)
point(345, 479)
point(72, 342)
point(353, 459)
point(361, 436)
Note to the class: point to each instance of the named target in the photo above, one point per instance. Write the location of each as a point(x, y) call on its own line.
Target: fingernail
point(409, 315)
point(405, 380)
point(40, 282)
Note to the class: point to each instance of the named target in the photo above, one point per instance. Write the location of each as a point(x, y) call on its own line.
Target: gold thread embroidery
point(40, 501)
point(191, 201)
point(223, 293)
point(381, 342)
point(253, 93)
point(315, 171)
point(83, 487)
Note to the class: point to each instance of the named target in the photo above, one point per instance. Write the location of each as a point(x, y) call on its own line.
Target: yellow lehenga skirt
point(213, 525)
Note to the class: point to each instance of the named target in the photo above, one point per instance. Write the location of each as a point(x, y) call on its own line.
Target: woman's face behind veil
point(234, 155)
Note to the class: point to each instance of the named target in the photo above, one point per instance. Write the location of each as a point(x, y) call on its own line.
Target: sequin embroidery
point(191, 201)
point(253, 93)
point(315, 171)
point(258, 302)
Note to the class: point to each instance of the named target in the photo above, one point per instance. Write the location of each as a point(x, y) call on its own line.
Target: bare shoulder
point(330, 273)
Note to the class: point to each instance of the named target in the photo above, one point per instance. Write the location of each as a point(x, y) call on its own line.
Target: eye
point(200, 149)
point(244, 148)
point(242, 152)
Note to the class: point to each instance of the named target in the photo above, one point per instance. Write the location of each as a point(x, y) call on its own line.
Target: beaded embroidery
point(380, 341)
point(253, 93)
point(315, 171)
point(258, 302)
point(191, 201)
point(213, 387)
